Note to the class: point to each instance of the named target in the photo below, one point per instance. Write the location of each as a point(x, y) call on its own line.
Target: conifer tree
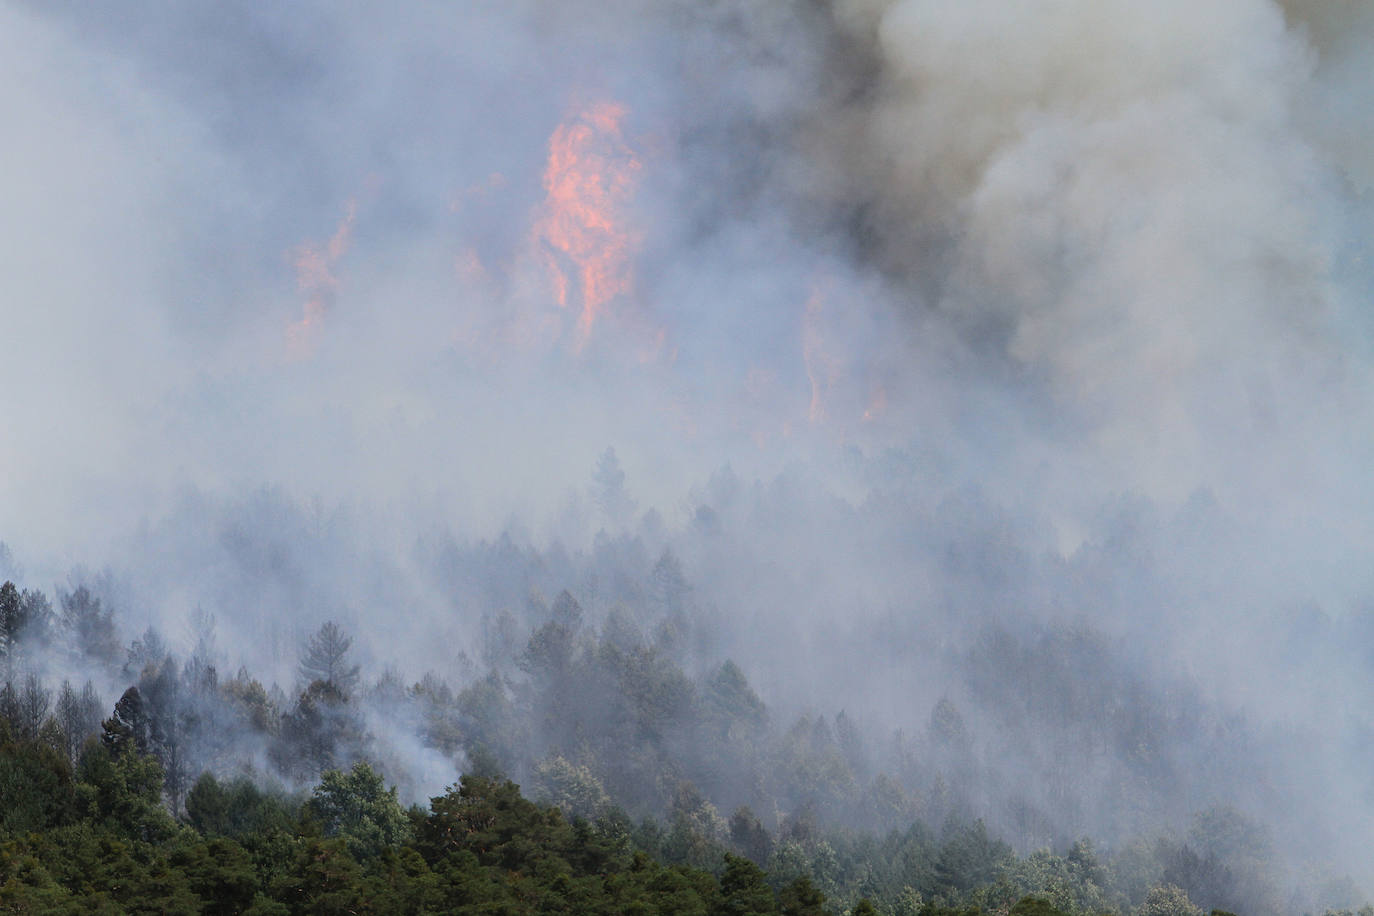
point(325, 658)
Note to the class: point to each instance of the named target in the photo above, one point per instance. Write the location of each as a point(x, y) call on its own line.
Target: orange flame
point(316, 278)
point(582, 236)
point(877, 404)
point(493, 182)
point(822, 367)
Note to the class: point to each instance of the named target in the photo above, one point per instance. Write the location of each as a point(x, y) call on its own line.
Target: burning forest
point(850, 456)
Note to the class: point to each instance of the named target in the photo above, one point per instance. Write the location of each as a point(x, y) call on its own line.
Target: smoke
point(909, 323)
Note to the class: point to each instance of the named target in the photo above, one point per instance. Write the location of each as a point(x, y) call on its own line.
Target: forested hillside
point(97, 837)
point(197, 783)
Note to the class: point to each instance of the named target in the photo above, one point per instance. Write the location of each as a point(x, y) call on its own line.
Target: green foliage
point(749, 836)
point(570, 787)
point(249, 698)
point(122, 791)
point(1168, 900)
point(36, 788)
point(1069, 882)
point(731, 705)
point(237, 808)
point(98, 839)
point(969, 857)
point(492, 719)
point(220, 872)
point(129, 728)
point(619, 721)
point(491, 820)
point(12, 620)
point(90, 627)
point(1035, 906)
point(801, 898)
point(744, 891)
point(321, 731)
point(358, 807)
point(482, 848)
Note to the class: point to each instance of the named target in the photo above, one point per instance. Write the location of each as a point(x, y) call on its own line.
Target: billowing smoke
point(924, 334)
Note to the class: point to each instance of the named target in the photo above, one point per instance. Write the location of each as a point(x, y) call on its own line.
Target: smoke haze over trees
point(790, 422)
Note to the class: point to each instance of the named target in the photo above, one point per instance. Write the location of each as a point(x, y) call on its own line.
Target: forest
point(646, 782)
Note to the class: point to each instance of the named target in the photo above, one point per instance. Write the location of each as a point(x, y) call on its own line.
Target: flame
point(470, 267)
point(315, 278)
point(582, 234)
point(758, 398)
point(822, 367)
point(877, 404)
point(492, 183)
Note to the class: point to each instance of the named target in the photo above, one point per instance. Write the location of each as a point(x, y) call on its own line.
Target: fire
point(848, 392)
point(582, 234)
point(877, 404)
point(823, 368)
point(493, 183)
point(315, 278)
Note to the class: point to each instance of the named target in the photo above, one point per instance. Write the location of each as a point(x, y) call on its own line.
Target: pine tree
point(34, 702)
point(325, 658)
point(608, 489)
point(128, 728)
point(91, 627)
point(11, 610)
point(744, 890)
point(78, 715)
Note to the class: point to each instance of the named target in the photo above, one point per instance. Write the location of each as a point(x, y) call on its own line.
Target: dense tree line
point(624, 722)
point(96, 837)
